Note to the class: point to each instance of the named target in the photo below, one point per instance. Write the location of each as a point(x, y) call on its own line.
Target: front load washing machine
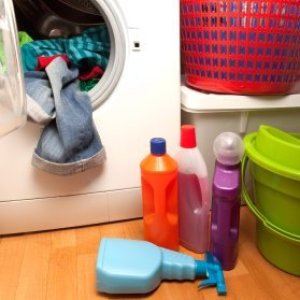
point(137, 98)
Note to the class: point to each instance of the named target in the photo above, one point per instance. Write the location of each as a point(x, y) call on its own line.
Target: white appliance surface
point(215, 113)
point(143, 103)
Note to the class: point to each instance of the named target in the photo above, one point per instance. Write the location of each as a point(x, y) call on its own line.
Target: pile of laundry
point(58, 73)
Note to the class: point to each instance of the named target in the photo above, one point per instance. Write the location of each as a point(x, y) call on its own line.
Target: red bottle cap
point(188, 136)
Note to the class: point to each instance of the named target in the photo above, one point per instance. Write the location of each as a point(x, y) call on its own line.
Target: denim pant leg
point(40, 102)
point(70, 143)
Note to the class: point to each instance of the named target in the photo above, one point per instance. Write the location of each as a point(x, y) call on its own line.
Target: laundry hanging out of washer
point(69, 142)
point(88, 51)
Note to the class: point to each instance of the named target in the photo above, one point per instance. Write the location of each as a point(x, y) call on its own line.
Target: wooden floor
point(61, 265)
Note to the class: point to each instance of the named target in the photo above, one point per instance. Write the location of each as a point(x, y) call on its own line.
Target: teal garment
point(90, 48)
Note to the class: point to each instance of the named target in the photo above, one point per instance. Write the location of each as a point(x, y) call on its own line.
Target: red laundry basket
point(241, 46)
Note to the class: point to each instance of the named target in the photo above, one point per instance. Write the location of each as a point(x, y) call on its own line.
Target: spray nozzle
point(212, 269)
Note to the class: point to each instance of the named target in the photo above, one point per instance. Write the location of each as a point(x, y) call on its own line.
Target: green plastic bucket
point(275, 168)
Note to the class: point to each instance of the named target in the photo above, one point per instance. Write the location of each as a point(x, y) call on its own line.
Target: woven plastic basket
point(241, 46)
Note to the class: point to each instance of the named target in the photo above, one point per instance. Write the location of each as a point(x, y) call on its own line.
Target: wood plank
point(61, 265)
point(11, 258)
point(32, 283)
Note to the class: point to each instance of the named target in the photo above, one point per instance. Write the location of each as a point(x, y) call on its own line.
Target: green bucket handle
point(274, 229)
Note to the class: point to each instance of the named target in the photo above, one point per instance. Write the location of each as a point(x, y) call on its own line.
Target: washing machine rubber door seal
point(116, 25)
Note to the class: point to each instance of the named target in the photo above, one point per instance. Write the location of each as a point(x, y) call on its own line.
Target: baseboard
point(69, 211)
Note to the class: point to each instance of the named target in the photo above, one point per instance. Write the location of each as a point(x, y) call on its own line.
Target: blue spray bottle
point(137, 267)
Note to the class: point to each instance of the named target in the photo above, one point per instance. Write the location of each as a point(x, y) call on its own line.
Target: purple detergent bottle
point(226, 197)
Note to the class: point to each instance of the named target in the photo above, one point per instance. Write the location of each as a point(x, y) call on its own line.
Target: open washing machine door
point(12, 91)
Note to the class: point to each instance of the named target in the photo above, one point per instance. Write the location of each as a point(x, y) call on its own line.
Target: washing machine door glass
point(12, 91)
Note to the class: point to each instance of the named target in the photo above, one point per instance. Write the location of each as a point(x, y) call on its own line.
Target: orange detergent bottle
point(160, 196)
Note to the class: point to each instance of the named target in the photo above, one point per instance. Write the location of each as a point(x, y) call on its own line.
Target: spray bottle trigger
point(212, 269)
point(221, 288)
point(207, 282)
point(212, 281)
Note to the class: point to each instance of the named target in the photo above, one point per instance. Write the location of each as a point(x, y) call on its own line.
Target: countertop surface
point(61, 265)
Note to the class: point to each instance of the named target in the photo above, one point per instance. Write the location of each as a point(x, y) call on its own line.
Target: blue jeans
point(69, 142)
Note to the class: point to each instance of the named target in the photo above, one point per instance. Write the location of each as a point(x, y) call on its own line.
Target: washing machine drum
point(84, 6)
point(54, 18)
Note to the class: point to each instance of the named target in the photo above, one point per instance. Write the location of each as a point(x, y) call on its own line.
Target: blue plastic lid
point(158, 146)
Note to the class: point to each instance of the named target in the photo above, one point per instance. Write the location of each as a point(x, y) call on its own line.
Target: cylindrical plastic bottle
point(226, 195)
point(160, 196)
point(194, 199)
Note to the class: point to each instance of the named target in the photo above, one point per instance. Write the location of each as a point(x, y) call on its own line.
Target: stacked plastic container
point(241, 66)
point(275, 170)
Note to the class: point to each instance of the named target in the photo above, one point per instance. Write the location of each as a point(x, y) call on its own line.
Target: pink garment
point(44, 61)
point(95, 72)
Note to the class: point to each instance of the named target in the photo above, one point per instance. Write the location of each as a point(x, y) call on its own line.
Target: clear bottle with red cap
point(194, 196)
